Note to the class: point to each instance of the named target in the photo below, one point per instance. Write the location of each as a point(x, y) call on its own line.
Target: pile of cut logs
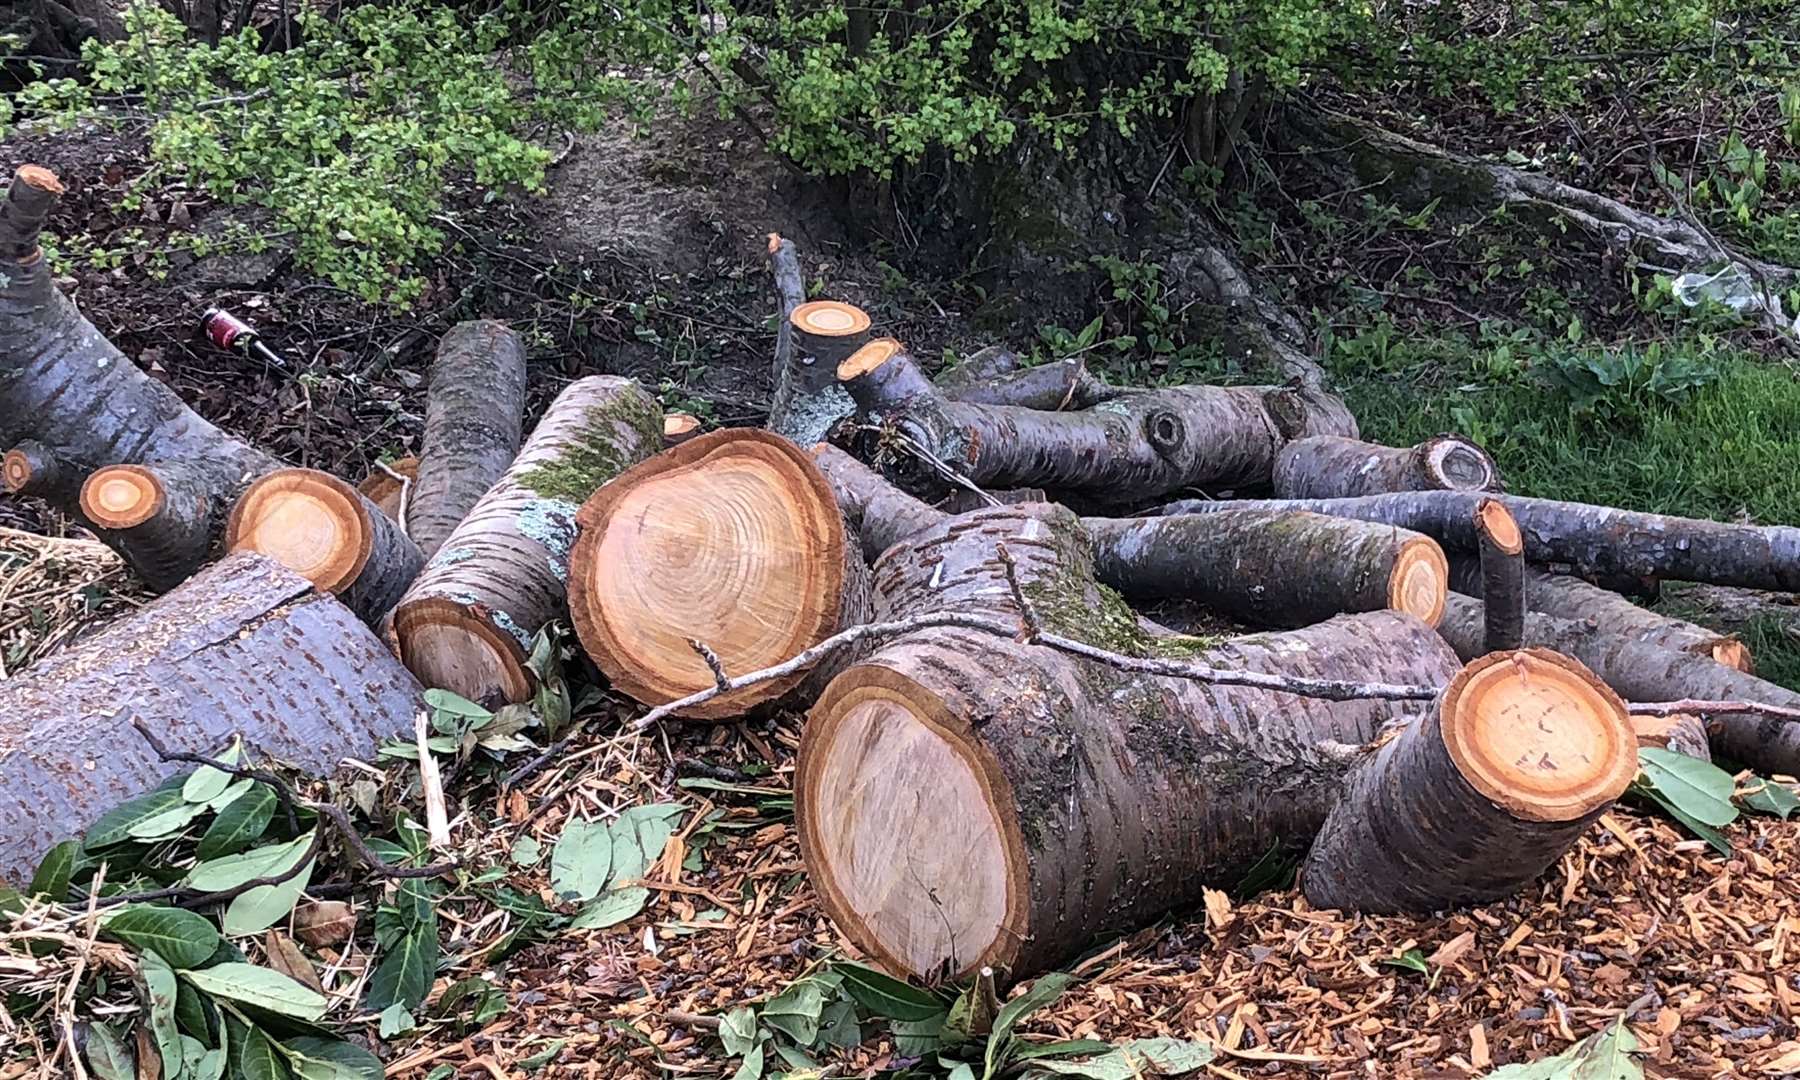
point(975, 584)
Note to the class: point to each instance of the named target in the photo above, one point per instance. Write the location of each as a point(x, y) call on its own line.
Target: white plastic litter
point(1736, 289)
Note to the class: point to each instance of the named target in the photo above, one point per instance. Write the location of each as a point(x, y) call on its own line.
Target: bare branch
point(1033, 629)
point(713, 664)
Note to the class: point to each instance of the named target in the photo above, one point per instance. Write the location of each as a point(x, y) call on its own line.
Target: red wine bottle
point(227, 331)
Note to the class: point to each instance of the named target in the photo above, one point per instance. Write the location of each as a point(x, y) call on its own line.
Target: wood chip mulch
point(53, 590)
point(1701, 949)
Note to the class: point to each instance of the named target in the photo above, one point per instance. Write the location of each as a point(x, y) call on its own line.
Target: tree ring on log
point(384, 484)
point(1420, 580)
point(16, 470)
point(446, 644)
point(830, 319)
point(310, 522)
point(122, 496)
point(1456, 464)
point(679, 427)
point(1165, 432)
point(1497, 523)
point(899, 780)
point(1538, 735)
point(868, 358)
point(733, 539)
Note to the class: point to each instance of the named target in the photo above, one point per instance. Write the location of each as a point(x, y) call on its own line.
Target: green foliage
point(1602, 1056)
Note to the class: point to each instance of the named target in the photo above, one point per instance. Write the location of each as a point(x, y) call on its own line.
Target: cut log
point(1681, 734)
point(1272, 568)
point(1641, 671)
point(473, 418)
point(1332, 467)
point(245, 647)
point(1132, 448)
point(31, 469)
point(734, 540)
point(1502, 564)
point(1056, 386)
point(964, 800)
point(321, 528)
point(679, 427)
point(467, 623)
point(65, 387)
point(880, 514)
point(810, 341)
point(389, 485)
point(1473, 800)
point(1596, 541)
point(1571, 598)
point(160, 517)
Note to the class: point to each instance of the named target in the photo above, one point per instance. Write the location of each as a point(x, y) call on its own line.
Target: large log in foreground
point(1333, 467)
point(467, 623)
point(1131, 448)
point(1643, 671)
point(325, 530)
point(246, 647)
point(732, 539)
point(1473, 800)
point(964, 800)
point(472, 425)
point(66, 388)
point(1597, 541)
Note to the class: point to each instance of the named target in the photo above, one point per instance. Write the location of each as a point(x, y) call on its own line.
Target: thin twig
point(713, 664)
point(431, 787)
point(405, 497)
point(283, 794)
point(1704, 709)
point(1032, 628)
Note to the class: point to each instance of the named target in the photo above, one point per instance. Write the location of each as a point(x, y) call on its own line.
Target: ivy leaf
point(406, 972)
point(239, 823)
point(884, 995)
point(262, 987)
point(331, 1059)
point(52, 878)
point(181, 938)
point(582, 860)
point(230, 871)
point(107, 1055)
point(737, 1030)
point(208, 783)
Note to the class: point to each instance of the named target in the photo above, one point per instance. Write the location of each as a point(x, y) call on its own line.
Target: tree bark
point(811, 340)
point(1594, 540)
point(1640, 671)
point(246, 647)
point(734, 540)
point(31, 469)
point(1502, 563)
point(877, 512)
point(1272, 568)
point(1332, 467)
point(472, 426)
point(1572, 598)
point(64, 386)
point(1054, 387)
point(1132, 448)
point(966, 801)
point(1473, 800)
point(978, 368)
point(161, 517)
point(468, 621)
point(323, 529)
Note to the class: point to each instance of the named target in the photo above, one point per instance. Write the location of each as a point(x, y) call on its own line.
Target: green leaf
point(1046, 989)
point(884, 995)
point(195, 1013)
point(330, 1059)
point(254, 1057)
point(396, 1020)
point(1699, 789)
point(52, 878)
point(795, 1012)
point(963, 1071)
point(258, 909)
point(916, 1038)
point(193, 1053)
point(107, 1055)
point(638, 838)
point(239, 823)
point(1706, 832)
point(230, 871)
point(114, 826)
point(1603, 1056)
point(1065, 1048)
point(838, 1026)
point(262, 987)
point(159, 992)
point(208, 783)
point(526, 851)
point(1411, 960)
point(1760, 794)
point(612, 908)
point(169, 823)
point(405, 974)
point(582, 860)
point(455, 705)
point(752, 1067)
point(737, 1030)
point(182, 938)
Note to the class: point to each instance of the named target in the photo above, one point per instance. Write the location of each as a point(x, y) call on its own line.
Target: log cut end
point(868, 358)
point(1454, 463)
point(450, 644)
point(122, 496)
point(1539, 735)
point(894, 790)
point(308, 521)
point(386, 484)
point(18, 469)
point(1497, 523)
point(732, 539)
point(830, 319)
point(1733, 654)
point(1420, 580)
point(679, 427)
point(40, 178)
